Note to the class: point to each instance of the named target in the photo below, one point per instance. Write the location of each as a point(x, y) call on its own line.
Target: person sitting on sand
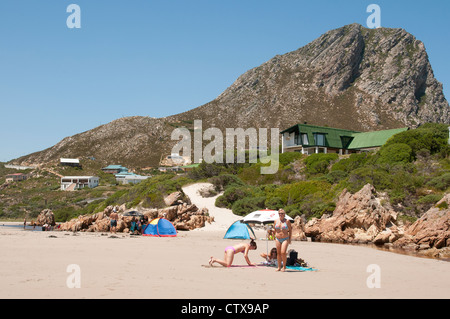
point(135, 228)
point(230, 251)
point(271, 259)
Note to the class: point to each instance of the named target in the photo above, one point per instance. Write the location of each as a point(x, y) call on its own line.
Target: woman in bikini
point(283, 233)
point(230, 251)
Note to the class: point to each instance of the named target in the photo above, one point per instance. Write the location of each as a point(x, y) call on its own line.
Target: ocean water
point(20, 227)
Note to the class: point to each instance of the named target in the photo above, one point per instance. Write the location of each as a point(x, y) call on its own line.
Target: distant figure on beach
point(114, 217)
point(230, 251)
point(135, 227)
point(24, 223)
point(270, 233)
point(283, 234)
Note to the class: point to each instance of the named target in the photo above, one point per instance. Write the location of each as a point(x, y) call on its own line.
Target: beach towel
point(288, 268)
point(232, 266)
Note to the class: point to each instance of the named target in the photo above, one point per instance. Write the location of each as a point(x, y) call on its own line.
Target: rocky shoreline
point(359, 218)
point(182, 214)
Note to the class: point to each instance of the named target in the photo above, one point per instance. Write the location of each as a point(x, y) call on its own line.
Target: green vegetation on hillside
point(412, 168)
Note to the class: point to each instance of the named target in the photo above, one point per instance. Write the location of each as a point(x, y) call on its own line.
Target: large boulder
point(298, 229)
point(46, 217)
point(357, 218)
point(431, 231)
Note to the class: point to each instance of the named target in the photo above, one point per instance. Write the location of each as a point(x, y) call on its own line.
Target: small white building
point(70, 162)
point(130, 178)
point(70, 183)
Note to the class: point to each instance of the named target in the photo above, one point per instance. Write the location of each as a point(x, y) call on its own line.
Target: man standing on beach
point(114, 218)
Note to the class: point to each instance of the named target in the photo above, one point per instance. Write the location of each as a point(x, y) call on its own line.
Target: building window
point(346, 141)
point(304, 139)
point(319, 139)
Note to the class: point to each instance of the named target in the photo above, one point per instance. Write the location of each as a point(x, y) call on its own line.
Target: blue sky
point(159, 58)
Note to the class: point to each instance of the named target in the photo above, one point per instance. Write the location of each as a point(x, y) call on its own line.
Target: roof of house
point(344, 139)
point(79, 177)
point(70, 160)
point(332, 135)
point(373, 139)
point(114, 167)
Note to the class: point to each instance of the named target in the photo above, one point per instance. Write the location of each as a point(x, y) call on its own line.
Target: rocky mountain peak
point(351, 78)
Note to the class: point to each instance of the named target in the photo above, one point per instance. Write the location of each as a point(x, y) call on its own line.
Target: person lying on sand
point(230, 251)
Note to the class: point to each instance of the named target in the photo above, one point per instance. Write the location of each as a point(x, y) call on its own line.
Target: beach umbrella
point(263, 216)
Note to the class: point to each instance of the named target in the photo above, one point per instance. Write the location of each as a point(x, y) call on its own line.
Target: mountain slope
point(351, 77)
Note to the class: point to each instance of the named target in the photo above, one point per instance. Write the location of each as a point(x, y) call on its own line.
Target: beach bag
point(292, 258)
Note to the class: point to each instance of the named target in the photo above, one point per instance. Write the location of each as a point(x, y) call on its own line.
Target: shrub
point(441, 182)
point(223, 181)
point(274, 203)
point(335, 176)
point(231, 195)
point(289, 157)
point(247, 205)
point(430, 136)
point(395, 153)
point(442, 205)
point(429, 199)
point(206, 170)
point(318, 163)
point(353, 162)
point(370, 174)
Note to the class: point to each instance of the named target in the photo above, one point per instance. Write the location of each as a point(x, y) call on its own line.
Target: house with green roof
point(115, 169)
point(310, 139)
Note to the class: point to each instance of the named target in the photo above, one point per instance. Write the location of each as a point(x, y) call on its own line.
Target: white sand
point(34, 265)
point(223, 217)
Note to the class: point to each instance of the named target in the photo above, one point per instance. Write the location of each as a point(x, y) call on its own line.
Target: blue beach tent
point(239, 230)
point(160, 227)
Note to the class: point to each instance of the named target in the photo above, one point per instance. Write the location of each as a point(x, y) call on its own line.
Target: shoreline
point(34, 265)
point(214, 228)
point(40, 264)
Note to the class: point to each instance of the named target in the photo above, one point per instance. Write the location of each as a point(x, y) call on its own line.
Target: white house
point(70, 183)
point(130, 178)
point(70, 162)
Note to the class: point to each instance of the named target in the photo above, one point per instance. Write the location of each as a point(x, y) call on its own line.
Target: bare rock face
point(174, 198)
point(431, 232)
point(298, 229)
point(46, 217)
point(358, 218)
point(184, 217)
point(380, 77)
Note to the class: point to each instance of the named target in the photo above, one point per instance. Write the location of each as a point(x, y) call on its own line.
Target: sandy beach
point(34, 264)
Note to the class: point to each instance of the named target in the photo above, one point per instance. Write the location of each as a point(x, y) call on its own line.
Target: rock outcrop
point(361, 218)
point(298, 229)
point(45, 217)
point(430, 234)
point(184, 216)
point(358, 218)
